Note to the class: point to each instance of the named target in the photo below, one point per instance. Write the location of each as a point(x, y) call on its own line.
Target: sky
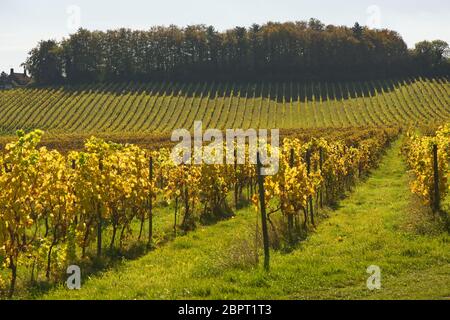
point(23, 23)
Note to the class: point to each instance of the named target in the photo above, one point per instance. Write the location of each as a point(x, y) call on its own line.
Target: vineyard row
point(54, 206)
point(163, 107)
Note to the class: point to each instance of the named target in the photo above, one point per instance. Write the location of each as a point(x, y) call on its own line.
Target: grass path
point(218, 262)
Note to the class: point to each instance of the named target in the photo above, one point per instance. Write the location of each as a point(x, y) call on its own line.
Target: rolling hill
point(161, 107)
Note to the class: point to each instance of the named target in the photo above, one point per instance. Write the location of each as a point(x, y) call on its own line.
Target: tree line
point(273, 51)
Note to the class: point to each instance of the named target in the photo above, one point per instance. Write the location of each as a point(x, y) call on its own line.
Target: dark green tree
point(44, 62)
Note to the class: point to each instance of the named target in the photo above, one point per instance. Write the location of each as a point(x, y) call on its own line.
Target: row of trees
point(292, 50)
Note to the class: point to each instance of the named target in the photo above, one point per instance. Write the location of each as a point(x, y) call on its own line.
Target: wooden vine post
point(150, 205)
point(262, 201)
point(321, 171)
point(175, 218)
point(99, 218)
point(291, 217)
point(74, 167)
point(437, 196)
point(236, 185)
point(310, 199)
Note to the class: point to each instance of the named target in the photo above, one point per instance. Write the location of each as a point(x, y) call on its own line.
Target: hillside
point(162, 107)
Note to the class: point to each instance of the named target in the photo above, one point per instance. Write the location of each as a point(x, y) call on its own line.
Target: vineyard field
point(161, 107)
point(217, 262)
point(261, 155)
point(82, 199)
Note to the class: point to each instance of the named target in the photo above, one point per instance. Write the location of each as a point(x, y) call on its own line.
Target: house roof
point(14, 79)
point(20, 78)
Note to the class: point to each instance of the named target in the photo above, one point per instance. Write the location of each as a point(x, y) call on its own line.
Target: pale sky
point(24, 22)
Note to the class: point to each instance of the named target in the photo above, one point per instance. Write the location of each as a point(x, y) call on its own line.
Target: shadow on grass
point(445, 216)
point(112, 259)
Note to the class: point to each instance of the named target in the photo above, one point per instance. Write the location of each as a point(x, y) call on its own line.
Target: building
point(14, 80)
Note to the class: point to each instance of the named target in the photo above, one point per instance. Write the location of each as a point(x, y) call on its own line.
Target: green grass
point(371, 227)
point(162, 107)
point(132, 248)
